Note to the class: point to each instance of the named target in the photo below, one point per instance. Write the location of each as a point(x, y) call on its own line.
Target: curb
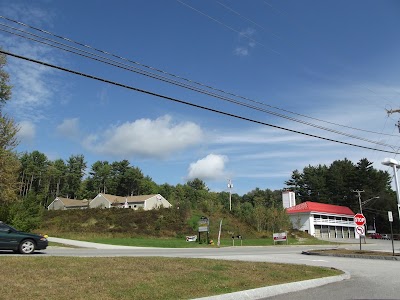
point(279, 289)
point(382, 257)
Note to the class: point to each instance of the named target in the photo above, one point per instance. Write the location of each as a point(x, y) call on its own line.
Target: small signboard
point(280, 237)
point(204, 224)
point(359, 219)
point(360, 230)
point(390, 216)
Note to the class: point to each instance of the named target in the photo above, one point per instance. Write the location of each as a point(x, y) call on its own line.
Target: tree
point(101, 176)
point(5, 87)
point(34, 171)
point(9, 163)
point(197, 184)
point(76, 166)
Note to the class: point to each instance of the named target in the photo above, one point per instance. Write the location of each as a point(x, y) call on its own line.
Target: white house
point(64, 203)
point(146, 202)
point(319, 219)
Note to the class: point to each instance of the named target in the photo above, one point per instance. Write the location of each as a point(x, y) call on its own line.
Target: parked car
point(386, 237)
point(20, 242)
point(375, 236)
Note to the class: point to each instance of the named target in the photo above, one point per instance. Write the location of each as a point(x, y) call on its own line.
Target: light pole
point(395, 165)
point(230, 186)
point(362, 204)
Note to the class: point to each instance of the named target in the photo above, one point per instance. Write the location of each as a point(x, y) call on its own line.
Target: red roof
point(309, 206)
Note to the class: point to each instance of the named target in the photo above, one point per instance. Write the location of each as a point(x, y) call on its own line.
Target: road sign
point(359, 219)
point(360, 230)
point(390, 216)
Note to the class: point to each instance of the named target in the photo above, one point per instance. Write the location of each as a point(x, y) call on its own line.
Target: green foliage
point(5, 87)
point(335, 184)
point(9, 164)
point(26, 214)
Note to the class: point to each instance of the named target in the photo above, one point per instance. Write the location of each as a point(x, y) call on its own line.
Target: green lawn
point(140, 278)
point(181, 242)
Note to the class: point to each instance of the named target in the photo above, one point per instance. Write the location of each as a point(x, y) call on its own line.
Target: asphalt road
point(370, 278)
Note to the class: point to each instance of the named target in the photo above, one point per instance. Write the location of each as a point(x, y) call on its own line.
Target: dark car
point(20, 242)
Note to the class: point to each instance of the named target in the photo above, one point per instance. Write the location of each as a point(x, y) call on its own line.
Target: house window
point(134, 206)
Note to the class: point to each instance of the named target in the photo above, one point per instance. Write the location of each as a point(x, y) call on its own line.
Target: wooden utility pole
point(392, 111)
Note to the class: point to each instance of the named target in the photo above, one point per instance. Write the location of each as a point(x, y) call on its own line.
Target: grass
point(140, 278)
point(181, 242)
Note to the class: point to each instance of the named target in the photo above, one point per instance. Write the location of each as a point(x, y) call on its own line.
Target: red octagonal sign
point(359, 219)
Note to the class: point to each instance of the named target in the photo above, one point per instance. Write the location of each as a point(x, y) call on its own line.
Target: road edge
point(279, 289)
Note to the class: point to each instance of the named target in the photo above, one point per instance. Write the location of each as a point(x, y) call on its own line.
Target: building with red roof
point(319, 219)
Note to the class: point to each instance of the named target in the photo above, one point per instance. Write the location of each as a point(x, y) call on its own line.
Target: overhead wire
point(230, 28)
point(173, 75)
point(252, 39)
point(165, 79)
point(186, 102)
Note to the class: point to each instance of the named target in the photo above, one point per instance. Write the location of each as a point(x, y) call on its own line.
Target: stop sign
point(359, 219)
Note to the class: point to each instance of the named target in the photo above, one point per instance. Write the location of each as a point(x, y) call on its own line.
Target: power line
point(183, 78)
point(247, 19)
point(257, 42)
point(177, 83)
point(230, 28)
point(185, 102)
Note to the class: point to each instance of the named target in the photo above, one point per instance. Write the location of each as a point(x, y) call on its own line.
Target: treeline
point(42, 180)
point(337, 184)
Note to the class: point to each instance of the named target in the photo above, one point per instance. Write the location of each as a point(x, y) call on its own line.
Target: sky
point(282, 71)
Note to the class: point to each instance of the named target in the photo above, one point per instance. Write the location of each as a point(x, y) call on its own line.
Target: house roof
point(121, 200)
point(309, 206)
point(73, 202)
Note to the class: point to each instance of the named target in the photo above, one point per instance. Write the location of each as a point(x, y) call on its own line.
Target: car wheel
point(27, 247)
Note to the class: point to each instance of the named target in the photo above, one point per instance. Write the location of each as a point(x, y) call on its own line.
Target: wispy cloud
point(69, 128)
point(245, 42)
point(34, 85)
point(27, 131)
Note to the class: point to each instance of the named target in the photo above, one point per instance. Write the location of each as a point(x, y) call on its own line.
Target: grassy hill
point(161, 223)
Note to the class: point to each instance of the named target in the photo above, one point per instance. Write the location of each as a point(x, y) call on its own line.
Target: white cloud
point(27, 131)
point(240, 51)
point(69, 128)
point(248, 32)
point(246, 42)
point(146, 138)
point(33, 85)
point(210, 167)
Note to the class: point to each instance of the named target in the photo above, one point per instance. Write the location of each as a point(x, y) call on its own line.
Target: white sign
point(280, 237)
point(390, 215)
point(360, 230)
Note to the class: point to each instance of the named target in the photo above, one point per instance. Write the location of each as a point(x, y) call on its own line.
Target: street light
point(362, 204)
point(395, 165)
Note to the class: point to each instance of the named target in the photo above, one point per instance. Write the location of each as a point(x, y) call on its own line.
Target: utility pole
point(392, 111)
point(365, 226)
point(230, 186)
point(359, 198)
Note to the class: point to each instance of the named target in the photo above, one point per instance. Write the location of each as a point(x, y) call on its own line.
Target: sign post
point(280, 237)
point(390, 217)
point(203, 227)
point(360, 220)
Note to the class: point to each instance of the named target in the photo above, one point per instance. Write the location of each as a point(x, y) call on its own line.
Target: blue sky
point(324, 61)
